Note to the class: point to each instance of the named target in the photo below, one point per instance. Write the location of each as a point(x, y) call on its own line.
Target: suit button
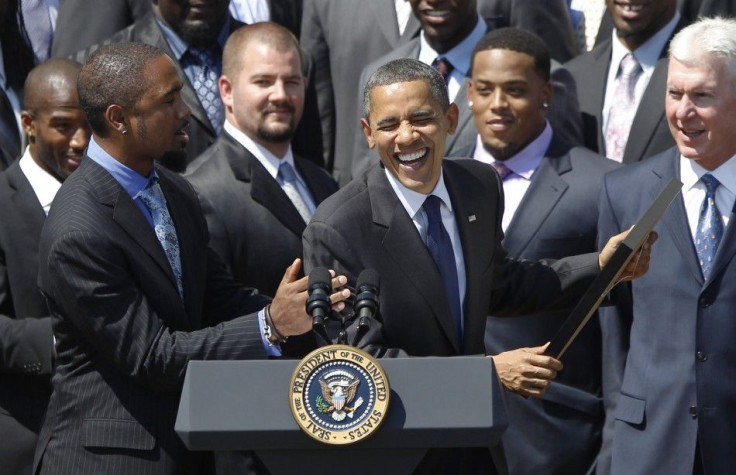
point(693, 412)
point(703, 302)
point(701, 357)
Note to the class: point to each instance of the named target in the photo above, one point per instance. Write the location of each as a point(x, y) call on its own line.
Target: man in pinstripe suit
point(128, 310)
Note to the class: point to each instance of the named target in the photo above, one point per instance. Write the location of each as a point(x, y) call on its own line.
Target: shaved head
point(267, 33)
point(46, 78)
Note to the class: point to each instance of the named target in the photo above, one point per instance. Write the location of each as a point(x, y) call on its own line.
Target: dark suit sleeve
point(26, 344)
point(92, 287)
point(616, 324)
point(325, 247)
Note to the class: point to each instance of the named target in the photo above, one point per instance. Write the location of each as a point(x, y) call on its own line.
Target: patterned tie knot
point(711, 184)
point(204, 55)
point(629, 67)
point(152, 196)
point(502, 169)
point(286, 172)
point(443, 66)
point(432, 208)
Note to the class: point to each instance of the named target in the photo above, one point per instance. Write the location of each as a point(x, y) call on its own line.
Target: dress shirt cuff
point(272, 349)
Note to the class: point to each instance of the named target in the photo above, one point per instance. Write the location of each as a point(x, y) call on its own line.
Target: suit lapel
point(314, 179)
point(411, 31)
point(647, 118)
point(464, 115)
point(385, 14)
point(264, 189)
point(405, 247)
point(726, 249)
point(675, 219)
point(473, 225)
point(598, 75)
point(545, 191)
point(26, 203)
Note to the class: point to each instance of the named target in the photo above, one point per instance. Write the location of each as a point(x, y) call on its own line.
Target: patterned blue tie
point(440, 247)
point(205, 84)
point(710, 226)
point(154, 200)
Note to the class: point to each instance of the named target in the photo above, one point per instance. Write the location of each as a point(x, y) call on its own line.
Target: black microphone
point(318, 303)
point(366, 300)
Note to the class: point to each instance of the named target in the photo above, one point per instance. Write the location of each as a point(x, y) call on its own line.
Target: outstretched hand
point(526, 371)
point(638, 265)
point(288, 309)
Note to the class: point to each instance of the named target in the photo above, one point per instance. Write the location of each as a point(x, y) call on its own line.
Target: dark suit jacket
point(124, 335)
point(676, 389)
point(344, 36)
point(563, 113)
point(364, 225)
point(548, 19)
point(82, 23)
point(9, 137)
point(558, 217)
point(253, 225)
point(26, 340)
point(652, 134)
point(201, 134)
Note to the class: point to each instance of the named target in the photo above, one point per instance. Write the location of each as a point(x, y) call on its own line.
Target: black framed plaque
point(608, 277)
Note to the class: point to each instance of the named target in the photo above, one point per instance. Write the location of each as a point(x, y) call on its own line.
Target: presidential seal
point(339, 394)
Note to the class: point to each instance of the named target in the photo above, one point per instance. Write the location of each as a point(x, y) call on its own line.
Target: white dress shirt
point(412, 202)
point(44, 185)
point(693, 190)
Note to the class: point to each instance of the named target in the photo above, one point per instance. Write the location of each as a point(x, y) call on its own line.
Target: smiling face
point(638, 20)
point(508, 97)
point(445, 22)
point(198, 22)
point(408, 129)
point(701, 109)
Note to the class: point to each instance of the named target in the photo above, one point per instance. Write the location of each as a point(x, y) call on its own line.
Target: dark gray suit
point(364, 225)
point(677, 386)
point(558, 217)
point(26, 340)
point(344, 36)
point(201, 133)
point(650, 133)
point(253, 225)
point(563, 113)
point(9, 136)
point(124, 335)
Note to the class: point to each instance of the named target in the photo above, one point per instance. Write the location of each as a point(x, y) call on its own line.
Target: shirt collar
point(270, 161)
point(179, 46)
point(411, 200)
point(44, 184)
point(527, 160)
point(460, 55)
point(691, 171)
point(131, 181)
point(647, 54)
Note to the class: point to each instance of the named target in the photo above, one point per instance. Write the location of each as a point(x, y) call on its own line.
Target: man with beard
point(194, 36)
point(256, 194)
point(621, 82)
point(133, 289)
point(57, 136)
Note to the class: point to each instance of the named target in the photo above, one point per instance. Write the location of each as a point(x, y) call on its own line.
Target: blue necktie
point(443, 66)
point(205, 84)
point(710, 226)
point(440, 247)
point(154, 200)
point(288, 183)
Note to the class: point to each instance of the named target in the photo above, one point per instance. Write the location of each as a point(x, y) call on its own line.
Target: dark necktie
point(440, 247)
point(288, 183)
point(502, 169)
point(163, 225)
point(443, 66)
point(623, 108)
point(205, 84)
point(710, 226)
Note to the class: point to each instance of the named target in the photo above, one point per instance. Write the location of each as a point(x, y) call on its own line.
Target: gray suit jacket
point(557, 217)
point(344, 36)
point(562, 115)
point(26, 340)
point(652, 134)
point(676, 339)
point(124, 335)
point(201, 133)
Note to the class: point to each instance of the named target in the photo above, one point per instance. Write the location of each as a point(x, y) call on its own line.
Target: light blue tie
point(288, 182)
point(205, 84)
point(154, 200)
point(710, 226)
point(440, 247)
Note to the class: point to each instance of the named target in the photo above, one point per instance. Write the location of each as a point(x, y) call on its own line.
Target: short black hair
point(521, 41)
point(114, 74)
point(405, 70)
